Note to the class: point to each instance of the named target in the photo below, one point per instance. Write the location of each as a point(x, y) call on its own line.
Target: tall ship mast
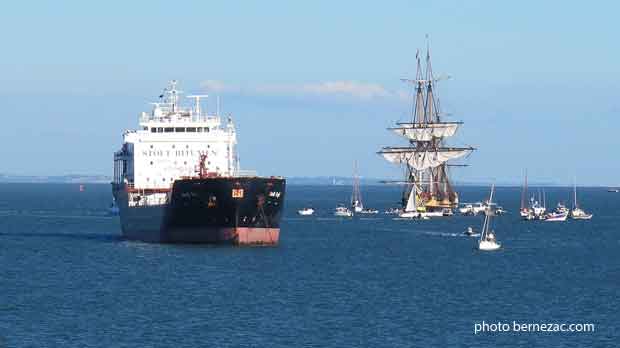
point(177, 179)
point(428, 190)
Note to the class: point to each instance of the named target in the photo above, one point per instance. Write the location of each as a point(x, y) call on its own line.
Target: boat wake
point(433, 233)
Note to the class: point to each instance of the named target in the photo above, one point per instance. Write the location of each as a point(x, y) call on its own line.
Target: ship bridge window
point(199, 129)
point(153, 130)
point(179, 129)
point(191, 129)
point(160, 130)
point(168, 129)
point(206, 129)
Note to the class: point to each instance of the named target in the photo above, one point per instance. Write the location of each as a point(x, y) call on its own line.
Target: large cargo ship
point(177, 180)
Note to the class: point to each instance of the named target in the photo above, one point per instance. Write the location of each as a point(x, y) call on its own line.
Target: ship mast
point(356, 197)
point(524, 192)
point(426, 154)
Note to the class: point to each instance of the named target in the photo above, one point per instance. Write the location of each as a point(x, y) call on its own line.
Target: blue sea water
point(67, 279)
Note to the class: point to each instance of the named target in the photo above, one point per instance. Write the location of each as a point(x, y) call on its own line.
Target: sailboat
point(487, 236)
point(410, 210)
point(428, 191)
point(356, 198)
point(578, 213)
point(525, 211)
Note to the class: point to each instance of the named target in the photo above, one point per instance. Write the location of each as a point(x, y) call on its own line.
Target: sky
point(313, 85)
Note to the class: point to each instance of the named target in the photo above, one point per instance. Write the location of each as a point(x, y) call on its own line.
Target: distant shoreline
point(292, 181)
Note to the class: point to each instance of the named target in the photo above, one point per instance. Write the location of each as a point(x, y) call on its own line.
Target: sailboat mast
point(487, 216)
point(356, 197)
point(575, 192)
point(524, 192)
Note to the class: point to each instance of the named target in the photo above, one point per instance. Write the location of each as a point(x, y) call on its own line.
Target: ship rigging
point(428, 189)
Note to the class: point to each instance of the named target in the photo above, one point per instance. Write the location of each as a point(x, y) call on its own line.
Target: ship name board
point(175, 153)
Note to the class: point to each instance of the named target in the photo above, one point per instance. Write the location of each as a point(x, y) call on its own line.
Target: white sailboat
point(356, 197)
point(487, 236)
point(578, 213)
point(525, 211)
point(411, 209)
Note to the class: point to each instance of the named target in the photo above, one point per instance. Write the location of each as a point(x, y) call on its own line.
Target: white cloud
point(351, 89)
point(216, 86)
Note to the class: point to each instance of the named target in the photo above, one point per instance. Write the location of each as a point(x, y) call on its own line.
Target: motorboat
point(343, 211)
point(306, 211)
point(470, 232)
point(559, 214)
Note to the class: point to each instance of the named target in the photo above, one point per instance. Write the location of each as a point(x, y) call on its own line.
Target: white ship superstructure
point(169, 143)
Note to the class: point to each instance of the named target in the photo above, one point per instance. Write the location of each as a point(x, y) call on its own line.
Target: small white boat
point(466, 209)
point(487, 240)
point(430, 214)
point(525, 213)
point(559, 214)
point(578, 213)
point(494, 208)
point(305, 212)
point(392, 211)
point(555, 216)
point(489, 244)
point(343, 211)
point(472, 209)
point(369, 211)
point(470, 232)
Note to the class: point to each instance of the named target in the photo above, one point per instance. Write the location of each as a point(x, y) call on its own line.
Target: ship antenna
point(196, 98)
point(217, 111)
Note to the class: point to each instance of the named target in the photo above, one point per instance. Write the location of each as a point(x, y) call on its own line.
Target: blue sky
point(313, 85)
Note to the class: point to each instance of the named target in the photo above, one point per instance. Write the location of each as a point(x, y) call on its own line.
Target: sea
point(68, 279)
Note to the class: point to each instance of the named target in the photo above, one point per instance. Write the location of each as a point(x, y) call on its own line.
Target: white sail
point(426, 131)
point(411, 201)
point(421, 160)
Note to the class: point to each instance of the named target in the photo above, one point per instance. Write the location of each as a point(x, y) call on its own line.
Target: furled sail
point(424, 159)
point(426, 131)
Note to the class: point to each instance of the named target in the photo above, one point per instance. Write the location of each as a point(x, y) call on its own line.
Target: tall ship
point(177, 180)
point(428, 191)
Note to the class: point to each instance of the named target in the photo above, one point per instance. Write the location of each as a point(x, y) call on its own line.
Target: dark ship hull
point(220, 210)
